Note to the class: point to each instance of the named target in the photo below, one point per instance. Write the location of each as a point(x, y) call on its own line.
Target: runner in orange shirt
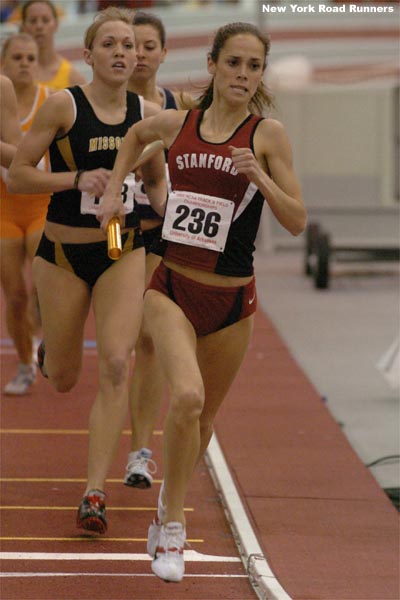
point(10, 132)
point(22, 217)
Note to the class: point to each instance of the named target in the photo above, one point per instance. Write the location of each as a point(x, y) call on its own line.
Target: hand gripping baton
point(114, 242)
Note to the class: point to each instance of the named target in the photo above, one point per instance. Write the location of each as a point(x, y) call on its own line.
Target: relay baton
point(114, 242)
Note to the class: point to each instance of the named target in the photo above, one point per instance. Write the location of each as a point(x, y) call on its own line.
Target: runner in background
point(147, 381)
point(133, 4)
point(83, 127)
point(22, 219)
point(225, 162)
point(10, 132)
point(40, 19)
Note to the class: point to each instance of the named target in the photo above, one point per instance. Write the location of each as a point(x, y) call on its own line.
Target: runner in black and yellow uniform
point(84, 127)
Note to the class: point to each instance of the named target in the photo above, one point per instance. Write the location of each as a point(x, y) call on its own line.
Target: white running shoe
point(25, 377)
point(154, 531)
point(153, 536)
point(140, 469)
point(168, 562)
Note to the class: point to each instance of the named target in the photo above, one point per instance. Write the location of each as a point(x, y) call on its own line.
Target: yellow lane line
point(60, 431)
point(137, 508)
point(56, 479)
point(84, 539)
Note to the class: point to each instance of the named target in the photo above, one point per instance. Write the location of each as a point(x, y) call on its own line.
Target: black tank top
point(89, 144)
point(169, 101)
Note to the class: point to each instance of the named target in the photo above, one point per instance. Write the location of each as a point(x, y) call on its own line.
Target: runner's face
point(113, 54)
point(239, 68)
point(150, 54)
point(40, 23)
point(20, 63)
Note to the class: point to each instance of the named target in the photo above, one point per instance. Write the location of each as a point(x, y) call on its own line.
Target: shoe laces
point(26, 370)
point(95, 499)
point(151, 465)
point(25, 374)
point(174, 539)
point(144, 462)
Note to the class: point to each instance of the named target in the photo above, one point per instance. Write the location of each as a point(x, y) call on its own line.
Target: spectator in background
point(8, 10)
point(22, 217)
point(135, 4)
point(40, 19)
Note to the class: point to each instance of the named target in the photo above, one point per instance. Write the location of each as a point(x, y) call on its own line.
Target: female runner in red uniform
point(225, 163)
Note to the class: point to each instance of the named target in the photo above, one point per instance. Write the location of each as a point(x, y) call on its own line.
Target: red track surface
point(326, 528)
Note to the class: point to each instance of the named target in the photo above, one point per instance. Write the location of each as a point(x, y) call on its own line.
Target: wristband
point(77, 177)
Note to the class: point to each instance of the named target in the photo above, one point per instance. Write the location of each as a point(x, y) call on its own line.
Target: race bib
point(90, 204)
point(198, 220)
point(140, 194)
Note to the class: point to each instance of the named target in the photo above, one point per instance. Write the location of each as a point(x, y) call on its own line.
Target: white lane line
point(190, 556)
point(264, 581)
point(187, 575)
point(8, 343)
point(7, 347)
point(12, 352)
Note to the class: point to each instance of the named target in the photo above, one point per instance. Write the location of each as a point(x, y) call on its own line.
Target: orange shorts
point(21, 214)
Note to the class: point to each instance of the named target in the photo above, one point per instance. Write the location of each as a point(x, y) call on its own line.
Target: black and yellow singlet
point(89, 144)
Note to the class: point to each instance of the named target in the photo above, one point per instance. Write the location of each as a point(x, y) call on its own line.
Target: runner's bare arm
point(150, 109)
point(281, 188)
point(10, 132)
point(54, 118)
point(164, 126)
point(153, 174)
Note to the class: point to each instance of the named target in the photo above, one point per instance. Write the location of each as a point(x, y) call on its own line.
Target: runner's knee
point(187, 407)
point(17, 300)
point(145, 344)
point(114, 370)
point(63, 380)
